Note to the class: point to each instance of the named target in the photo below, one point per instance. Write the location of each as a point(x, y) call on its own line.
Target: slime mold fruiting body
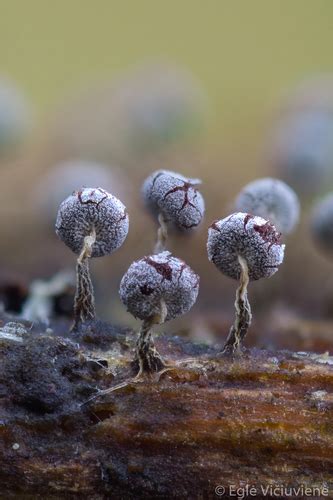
point(175, 200)
point(272, 200)
point(92, 223)
point(246, 248)
point(155, 289)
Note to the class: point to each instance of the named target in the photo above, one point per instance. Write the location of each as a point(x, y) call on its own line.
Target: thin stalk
point(84, 301)
point(243, 315)
point(147, 357)
point(162, 234)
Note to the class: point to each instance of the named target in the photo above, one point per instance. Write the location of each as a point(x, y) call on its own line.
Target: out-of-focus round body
point(145, 110)
point(302, 149)
point(322, 224)
point(176, 197)
point(247, 236)
point(272, 200)
point(92, 209)
point(15, 116)
point(155, 278)
point(65, 176)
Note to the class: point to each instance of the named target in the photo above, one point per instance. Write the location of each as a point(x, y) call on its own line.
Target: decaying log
point(262, 419)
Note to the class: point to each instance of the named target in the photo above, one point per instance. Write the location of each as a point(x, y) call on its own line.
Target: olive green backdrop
point(245, 53)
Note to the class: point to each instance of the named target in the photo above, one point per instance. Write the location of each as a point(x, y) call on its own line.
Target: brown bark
point(263, 418)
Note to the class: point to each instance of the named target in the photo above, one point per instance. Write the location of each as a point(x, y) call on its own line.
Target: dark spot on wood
point(13, 295)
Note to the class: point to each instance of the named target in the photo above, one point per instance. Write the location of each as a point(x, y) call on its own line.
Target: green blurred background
point(245, 53)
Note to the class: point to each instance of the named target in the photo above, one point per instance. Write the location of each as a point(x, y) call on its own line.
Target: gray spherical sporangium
point(302, 148)
point(15, 117)
point(322, 224)
point(248, 236)
point(92, 208)
point(157, 277)
point(272, 200)
point(176, 197)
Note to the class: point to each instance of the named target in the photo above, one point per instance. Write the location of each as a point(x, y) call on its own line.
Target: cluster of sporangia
point(159, 287)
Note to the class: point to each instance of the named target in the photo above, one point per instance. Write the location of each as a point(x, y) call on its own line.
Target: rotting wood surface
point(265, 418)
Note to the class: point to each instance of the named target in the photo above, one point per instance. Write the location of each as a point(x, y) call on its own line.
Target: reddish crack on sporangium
point(247, 218)
point(197, 281)
point(214, 226)
point(268, 233)
point(92, 193)
point(122, 217)
point(181, 270)
point(156, 177)
point(185, 188)
point(163, 268)
point(146, 290)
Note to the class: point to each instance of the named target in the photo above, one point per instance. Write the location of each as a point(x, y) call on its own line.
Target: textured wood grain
point(264, 418)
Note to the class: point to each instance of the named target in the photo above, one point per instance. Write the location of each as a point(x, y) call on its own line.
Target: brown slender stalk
point(243, 315)
point(147, 358)
point(162, 234)
point(84, 301)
